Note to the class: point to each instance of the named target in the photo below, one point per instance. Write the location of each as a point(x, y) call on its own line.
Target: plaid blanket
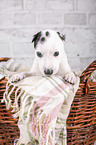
point(11, 66)
point(41, 120)
point(44, 106)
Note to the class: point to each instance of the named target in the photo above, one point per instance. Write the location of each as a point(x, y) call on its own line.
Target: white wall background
point(20, 19)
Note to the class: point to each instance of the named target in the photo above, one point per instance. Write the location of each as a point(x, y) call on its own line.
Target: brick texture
point(75, 19)
point(87, 5)
point(50, 18)
point(4, 49)
point(9, 5)
point(21, 19)
point(92, 19)
point(22, 48)
point(6, 19)
point(65, 5)
point(25, 19)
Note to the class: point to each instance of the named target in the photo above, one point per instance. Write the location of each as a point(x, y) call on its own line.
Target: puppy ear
point(63, 37)
point(36, 38)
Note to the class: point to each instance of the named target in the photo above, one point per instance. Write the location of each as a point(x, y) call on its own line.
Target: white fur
point(59, 64)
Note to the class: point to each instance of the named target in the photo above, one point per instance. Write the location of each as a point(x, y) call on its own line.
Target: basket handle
point(4, 59)
point(87, 72)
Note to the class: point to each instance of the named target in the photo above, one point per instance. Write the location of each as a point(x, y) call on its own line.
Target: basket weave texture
point(81, 122)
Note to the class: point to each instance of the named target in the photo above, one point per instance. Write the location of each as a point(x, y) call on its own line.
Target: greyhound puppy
point(50, 57)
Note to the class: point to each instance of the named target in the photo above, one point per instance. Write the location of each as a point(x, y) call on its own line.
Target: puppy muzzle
point(48, 72)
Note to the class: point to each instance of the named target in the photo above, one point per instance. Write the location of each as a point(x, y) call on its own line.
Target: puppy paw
point(17, 77)
point(70, 78)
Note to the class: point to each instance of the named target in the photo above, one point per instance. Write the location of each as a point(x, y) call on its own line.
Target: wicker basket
point(8, 126)
point(81, 122)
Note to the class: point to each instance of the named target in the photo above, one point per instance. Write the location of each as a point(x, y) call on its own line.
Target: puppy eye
point(39, 54)
point(56, 53)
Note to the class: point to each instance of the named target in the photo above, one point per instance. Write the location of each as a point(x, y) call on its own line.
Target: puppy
point(50, 57)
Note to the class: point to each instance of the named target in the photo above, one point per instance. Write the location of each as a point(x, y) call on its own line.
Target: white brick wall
point(20, 19)
point(75, 19)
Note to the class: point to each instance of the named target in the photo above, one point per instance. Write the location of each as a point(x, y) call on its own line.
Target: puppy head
point(49, 50)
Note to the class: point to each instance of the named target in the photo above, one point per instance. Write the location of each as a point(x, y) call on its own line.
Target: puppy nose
point(48, 71)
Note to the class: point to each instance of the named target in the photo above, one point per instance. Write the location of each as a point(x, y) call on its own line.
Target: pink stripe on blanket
point(52, 115)
point(42, 101)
